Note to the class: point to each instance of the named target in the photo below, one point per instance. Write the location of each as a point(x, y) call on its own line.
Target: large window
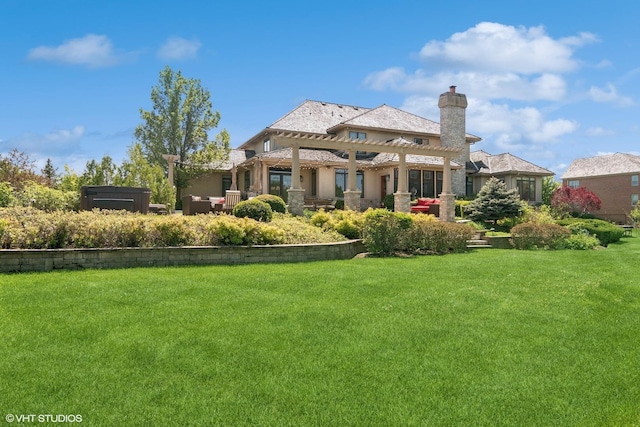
point(526, 187)
point(634, 199)
point(422, 183)
point(574, 183)
point(266, 145)
point(226, 183)
point(342, 179)
point(357, 135)
point(279, 183)
point(634, 180)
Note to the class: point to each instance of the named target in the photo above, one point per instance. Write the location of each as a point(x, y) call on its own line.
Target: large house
point(515, 172)
point(360, 155)
point(613, 178)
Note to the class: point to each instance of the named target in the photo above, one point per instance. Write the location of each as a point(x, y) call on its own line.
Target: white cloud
point(501, 48)
point(177, 48)
point(92, 50)
point(65, 135)
point(598, 131)
point(609, 94)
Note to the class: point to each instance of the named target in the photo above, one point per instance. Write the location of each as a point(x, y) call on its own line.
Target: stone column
point(453, 134)
point(447, 198)
point(296, 200)
point(352, 194)
point(296, 192)
point(402, 197)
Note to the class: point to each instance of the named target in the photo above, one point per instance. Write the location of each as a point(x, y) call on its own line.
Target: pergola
point(399, 146)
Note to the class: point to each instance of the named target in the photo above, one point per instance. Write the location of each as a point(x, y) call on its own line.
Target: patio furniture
point(427, 205)
point(192, 205)
point(231, 199)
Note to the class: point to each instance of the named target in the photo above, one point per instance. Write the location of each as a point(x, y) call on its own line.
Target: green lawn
point(487, 338)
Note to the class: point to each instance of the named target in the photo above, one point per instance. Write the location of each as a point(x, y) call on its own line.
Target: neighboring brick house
point(613, 178)
point(512, 170)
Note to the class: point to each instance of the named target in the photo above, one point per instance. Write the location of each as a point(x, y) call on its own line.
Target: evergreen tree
point(494, 202)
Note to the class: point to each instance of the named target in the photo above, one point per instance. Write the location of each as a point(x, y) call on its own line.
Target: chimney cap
point(452, 89)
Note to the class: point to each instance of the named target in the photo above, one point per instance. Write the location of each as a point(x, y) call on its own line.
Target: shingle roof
point(485, 163)
point(323, 117)
point(316, 117)
point(611, 164)
point(329, 157)
point(386, 117)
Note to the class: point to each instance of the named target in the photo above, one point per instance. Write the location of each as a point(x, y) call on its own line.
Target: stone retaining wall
point(17, 260)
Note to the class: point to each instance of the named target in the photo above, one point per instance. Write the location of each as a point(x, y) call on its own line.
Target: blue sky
point(546, 81)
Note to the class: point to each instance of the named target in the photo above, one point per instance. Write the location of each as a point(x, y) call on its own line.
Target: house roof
point(503, 164)
point(326, 157)
point(321, 118)
point(316, 117)
point(390, 118)
point(610, 164)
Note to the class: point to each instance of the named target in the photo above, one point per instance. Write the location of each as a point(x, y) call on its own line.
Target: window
point(266, 145)
point(428, 184)
point(421, 183)
point(634, 180)
point(279, 183)
point(414, 183)
point(526, 187)
point(421, 141)
point(357, 135)
point(342, 179)
point(469, 186)
point(247, 180)
point(574, 183)
point(634, 199)
point(226, 183)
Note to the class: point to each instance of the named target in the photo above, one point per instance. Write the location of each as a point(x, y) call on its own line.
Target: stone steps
point(478, 243)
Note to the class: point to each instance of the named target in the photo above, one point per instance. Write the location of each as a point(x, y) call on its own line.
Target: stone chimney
point(452, 134)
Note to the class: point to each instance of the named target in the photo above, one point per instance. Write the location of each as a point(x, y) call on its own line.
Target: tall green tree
point(178, 123)
point(494, 202)
point(49, 173)
point(549, 186)
point(101, 173)
point(136, 171)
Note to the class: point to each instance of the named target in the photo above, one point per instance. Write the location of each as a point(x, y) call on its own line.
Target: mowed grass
point(487, 338)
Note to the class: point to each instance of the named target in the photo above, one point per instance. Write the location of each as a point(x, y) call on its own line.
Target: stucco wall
point(73, 259)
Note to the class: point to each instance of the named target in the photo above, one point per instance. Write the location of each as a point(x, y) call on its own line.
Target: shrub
point(581, 241)
point(461, 206)
point(389, 201)
point(48, 199)
point(530, 235)
point(226, 230)
point(171, 231)
point(385, 232)
point(428, 235)
point(6, 194)
point(320, 218)
point(276, 202)
point(605, 231)
point(254, 209)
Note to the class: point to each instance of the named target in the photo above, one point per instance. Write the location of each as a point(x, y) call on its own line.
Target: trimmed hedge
point(388, 233)
point(530, 235)
point(276, 202)
point(29, 228)
point(254, 209)
point(605, 231)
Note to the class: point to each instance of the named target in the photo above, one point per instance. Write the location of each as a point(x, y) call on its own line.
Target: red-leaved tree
point(574, 201)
